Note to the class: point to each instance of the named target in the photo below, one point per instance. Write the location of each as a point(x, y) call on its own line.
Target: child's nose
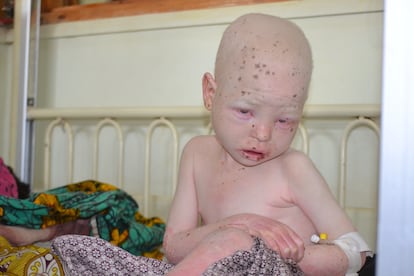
point(262, 132)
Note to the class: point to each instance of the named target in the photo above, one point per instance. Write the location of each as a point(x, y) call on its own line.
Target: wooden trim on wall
point(74, 12)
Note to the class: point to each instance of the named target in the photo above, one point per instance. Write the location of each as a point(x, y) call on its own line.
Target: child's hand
point(276, 235)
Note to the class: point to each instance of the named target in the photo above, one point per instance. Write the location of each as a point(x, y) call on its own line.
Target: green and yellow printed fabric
point(114, 213)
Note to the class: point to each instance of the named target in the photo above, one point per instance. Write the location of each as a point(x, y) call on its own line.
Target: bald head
point(261, 52)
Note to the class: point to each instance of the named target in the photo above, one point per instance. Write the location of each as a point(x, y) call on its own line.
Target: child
point(244, 182)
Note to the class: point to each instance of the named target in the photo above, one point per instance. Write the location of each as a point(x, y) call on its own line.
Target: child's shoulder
point(295, 154)
point(201, 143)
point(295, 159)
point(300, 168)
point(202, 139)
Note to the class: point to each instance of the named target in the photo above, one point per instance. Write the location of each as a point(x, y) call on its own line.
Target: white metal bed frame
point(355, 115)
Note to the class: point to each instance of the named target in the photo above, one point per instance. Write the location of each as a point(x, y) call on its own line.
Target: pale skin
point(246, 180)
point(20, 236)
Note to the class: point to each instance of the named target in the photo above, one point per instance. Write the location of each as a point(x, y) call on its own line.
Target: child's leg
point(216, 246)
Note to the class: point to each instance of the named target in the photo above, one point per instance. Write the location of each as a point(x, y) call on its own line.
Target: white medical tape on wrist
point(352, 244)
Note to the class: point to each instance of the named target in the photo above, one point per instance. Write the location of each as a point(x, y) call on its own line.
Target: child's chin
point(247, 162)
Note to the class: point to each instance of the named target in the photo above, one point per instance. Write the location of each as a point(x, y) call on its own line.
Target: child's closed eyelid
point(243, 113)
point(285, 123)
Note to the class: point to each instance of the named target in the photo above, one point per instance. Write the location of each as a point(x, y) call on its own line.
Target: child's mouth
point(253, 155)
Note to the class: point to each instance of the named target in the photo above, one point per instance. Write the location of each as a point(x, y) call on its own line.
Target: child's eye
point(283, 123)
point(244, 113)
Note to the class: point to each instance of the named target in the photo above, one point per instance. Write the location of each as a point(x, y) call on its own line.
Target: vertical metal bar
point(20, 145)
point(148, 143)
point(32, 87)
point(360, 121)
point(99, 126)
point(305, 138)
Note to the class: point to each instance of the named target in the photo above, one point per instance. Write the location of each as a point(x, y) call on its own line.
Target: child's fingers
point(287, 243)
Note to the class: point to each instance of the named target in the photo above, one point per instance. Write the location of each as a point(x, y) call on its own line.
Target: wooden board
point(134, 7)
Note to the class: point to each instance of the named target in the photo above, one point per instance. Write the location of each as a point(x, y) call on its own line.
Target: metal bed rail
point(356, 116)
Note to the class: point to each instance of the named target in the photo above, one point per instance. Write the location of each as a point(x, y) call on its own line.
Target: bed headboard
point(138, 149)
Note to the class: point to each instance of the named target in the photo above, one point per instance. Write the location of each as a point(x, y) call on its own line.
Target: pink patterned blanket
point(85, 255)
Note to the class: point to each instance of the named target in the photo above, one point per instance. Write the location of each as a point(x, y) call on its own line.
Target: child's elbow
point(169, 252)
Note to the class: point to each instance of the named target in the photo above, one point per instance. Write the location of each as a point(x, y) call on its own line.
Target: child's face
point(263, 69)
point(257, 125)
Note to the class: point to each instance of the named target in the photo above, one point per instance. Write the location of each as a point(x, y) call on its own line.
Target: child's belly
point(215, 206)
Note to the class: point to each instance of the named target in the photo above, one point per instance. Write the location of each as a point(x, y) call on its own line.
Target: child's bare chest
point(242, 190)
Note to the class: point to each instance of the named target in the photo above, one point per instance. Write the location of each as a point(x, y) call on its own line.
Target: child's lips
point(253, 155)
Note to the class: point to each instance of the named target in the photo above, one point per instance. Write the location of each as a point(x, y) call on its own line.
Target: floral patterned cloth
point(8, 185)
point(260, 260)
point(83, 255)
point(113, 214)
point(28, 260)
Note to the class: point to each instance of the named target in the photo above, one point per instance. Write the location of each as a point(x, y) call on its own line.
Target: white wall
point(159, 59)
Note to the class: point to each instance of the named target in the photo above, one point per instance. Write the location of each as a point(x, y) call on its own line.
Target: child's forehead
point(266, 98)
point(260, 48)
point(259, 32)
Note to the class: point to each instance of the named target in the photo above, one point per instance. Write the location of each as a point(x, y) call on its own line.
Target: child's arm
point(314, 197)
point(277, 236)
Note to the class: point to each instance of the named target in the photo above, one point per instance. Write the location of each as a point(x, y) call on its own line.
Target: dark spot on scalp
point(253, 148)
point(264, 65)
point(239, 79)
point(257, 65)
point(267, 72)
point(255, 76)
point(253, 57)
point(253, 126)
point(294, 95)
point(243, 93)
point(291, 130)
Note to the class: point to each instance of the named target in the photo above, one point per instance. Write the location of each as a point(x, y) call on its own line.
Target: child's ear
point(209, 89)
